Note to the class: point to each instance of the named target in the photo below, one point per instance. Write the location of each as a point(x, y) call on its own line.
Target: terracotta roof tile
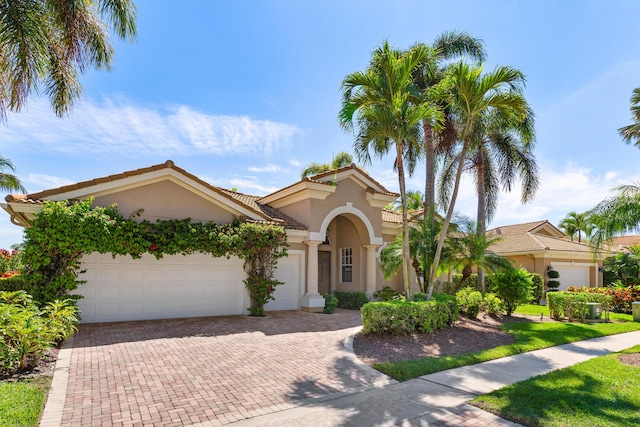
point(391, 216)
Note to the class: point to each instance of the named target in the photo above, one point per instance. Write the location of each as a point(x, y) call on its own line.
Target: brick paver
point(213, 370)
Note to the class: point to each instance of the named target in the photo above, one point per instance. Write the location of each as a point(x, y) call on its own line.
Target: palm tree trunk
point(429, 191)
point(447, 220)
point(406, 258)
point(482, 210)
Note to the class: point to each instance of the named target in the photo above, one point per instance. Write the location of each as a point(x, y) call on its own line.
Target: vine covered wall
point(62, 233)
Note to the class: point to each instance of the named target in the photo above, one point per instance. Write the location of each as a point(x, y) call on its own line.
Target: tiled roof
point(251, 201)
point(391, 216)
point(624, 241)
point(354, 167)
point(507, 230)
point(269, 214)
point(532, 242)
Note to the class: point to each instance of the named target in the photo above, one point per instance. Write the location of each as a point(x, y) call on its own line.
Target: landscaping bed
point(465, 336)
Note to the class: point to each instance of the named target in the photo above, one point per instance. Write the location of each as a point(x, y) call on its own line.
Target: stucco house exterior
point(335, 225)
point(538, 245)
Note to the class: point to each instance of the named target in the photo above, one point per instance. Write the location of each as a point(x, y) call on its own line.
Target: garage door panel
point(287, 295)
point(573, 275)
point(147, 288)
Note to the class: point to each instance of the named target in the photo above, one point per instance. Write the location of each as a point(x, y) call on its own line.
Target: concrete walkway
point(440, 399)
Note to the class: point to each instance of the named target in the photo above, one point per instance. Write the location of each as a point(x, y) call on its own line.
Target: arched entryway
point(341, 255)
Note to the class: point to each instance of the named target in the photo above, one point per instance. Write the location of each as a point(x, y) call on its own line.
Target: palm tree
point(47, 43)
point(471, 96)
point(422, 245)
point(470, 250)
point(615, 215)
point(340, 160)
point(415, 202)
point(576, 223)
point(447, 46)
point(9, 182)
point(496, 157)
point(631, 133)
point(384, 103)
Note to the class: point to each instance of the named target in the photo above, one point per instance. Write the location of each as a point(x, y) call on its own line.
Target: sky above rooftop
point(246, 93)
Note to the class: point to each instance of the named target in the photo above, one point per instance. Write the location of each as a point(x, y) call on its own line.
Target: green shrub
point(386, 294)
point(553, 284)
point(353, 300)
point(458, 283)
point(448, 288)
point(407, 317)
point(513, 287)
point(330, 303)
point(572, 305)
point(26, 332)
point(538, 287)
point(419, 296)
point(553, 274)
point(491, 304)
point(469, 300)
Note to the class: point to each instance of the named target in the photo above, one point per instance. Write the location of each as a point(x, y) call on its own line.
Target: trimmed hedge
point(353, 300)
point(407, 317)
point(538, 287)
point(573, 305)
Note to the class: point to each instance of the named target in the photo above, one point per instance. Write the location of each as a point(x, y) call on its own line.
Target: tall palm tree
point(576, 223)
point(497, 156)
point(340, 160)
point(447, 46)
point(415, 202)
point(8, 181)
point(631, 133)
point(46, 44)
point(385, 105)
point(472, 95)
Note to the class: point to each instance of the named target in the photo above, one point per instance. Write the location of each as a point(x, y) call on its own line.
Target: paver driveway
point(209, 370)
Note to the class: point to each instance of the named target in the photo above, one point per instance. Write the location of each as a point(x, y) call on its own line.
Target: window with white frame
point(346, 264)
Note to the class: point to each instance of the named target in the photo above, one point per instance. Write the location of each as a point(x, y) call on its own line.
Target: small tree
point(513, 287)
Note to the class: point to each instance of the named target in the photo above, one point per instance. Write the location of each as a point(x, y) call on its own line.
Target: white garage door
point(572, 275)
point(123, 288)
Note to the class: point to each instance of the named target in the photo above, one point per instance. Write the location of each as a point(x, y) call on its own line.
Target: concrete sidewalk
point(441, 398)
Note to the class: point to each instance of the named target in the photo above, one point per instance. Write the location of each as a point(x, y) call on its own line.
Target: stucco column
point(370, 276)
point(312, 300)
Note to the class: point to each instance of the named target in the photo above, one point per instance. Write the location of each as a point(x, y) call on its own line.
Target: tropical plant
point(415, 202)
point(440, 134)
point(471, 250)
point(46, 44)
point(625, 267)
point(340, 160)
point(631, 133)
point(576, 224)
point(472, 96)
point(615, 215)
point(8, 181)
point(385, 105)
point(423, 239)
point(499, 153)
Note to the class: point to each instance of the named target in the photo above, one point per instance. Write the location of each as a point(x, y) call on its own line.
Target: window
point(346, 264)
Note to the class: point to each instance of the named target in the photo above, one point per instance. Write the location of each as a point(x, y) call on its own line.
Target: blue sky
point(245, 93)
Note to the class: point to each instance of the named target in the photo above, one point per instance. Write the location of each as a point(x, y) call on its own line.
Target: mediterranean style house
point(335, 223)
point(538, 246)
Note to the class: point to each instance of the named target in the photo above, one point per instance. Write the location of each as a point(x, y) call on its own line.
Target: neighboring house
point(538, 245)
point(335, 225)
point(623, 243)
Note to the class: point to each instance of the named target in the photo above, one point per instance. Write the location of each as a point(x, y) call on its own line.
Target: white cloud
point(252, 185)
point(296, 163)
point(118, 126)
point(270, 167)
point(37, 182)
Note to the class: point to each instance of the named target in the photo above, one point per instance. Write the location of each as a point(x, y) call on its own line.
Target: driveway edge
point(383, 379)
point(52, 414)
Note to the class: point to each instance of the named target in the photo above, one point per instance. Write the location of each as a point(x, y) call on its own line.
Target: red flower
point(153, 247)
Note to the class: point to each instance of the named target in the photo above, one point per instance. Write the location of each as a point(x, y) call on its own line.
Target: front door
point(324, 272)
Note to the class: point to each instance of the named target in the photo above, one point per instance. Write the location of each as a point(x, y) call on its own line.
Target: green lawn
point(528, 337)
point(599, 392)
point(22, 402)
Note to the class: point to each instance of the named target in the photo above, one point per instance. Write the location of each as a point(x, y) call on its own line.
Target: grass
point(527, 337)
point(22, 402)
point(599, 392)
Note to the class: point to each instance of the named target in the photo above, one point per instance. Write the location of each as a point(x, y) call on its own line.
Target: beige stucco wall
point(165, 200)
point(539, 265)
